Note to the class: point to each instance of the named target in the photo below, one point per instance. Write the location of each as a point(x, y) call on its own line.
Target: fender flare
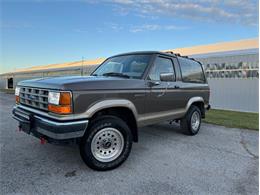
point(111, 103)
point(193, 100)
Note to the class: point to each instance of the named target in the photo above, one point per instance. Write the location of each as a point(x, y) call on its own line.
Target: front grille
point(34, 97)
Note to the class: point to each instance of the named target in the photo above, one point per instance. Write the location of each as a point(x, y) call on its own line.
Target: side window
point(161, 65)
point(191, 71)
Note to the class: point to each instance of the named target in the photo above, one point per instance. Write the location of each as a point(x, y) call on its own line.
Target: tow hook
point(42, 140)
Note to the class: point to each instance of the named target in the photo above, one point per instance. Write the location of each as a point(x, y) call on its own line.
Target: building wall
point(233, 79)
point(2, 82)
point(243, 64)
point(234, 94)
point(85, 70)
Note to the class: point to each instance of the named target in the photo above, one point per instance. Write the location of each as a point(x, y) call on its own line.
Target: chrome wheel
point(107, 144)
point(195, 121)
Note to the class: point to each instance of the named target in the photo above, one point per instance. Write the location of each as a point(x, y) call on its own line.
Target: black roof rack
point(176, 54)
point(179, 55)
point(170, 52)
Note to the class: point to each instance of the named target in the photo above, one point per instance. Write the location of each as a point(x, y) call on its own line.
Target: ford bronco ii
point(102, 112)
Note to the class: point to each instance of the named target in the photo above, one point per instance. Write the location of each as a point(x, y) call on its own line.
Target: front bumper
point(48, 128)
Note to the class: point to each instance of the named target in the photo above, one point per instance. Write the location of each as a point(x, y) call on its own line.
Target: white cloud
point(230, 11)
point(114, 26)
point(146, 27)
point(155, 27)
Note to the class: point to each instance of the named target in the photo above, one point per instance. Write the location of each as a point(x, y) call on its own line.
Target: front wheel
point(192, 121)
point(107, 143)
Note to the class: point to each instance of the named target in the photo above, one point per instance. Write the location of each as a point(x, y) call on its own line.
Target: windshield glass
point(127, 66)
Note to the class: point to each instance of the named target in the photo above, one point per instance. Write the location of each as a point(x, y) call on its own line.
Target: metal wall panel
point(234, 94)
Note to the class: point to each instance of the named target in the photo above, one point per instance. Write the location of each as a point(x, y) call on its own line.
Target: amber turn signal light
point(17, 99)
point(60, 109)
point(65, 98)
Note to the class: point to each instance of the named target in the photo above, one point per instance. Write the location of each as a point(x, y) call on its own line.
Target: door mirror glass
point(167, 76)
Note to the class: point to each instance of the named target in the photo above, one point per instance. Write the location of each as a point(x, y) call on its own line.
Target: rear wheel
point(192, 121)
point(107, 143)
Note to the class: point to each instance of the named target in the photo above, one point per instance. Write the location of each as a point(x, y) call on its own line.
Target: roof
point(143, 53)
point(187, 51)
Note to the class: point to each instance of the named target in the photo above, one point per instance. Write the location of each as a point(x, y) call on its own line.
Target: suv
point(102, 112)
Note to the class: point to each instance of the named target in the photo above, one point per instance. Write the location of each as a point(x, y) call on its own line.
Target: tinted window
point(130, 65)
point(191, 71)
point(161, 65)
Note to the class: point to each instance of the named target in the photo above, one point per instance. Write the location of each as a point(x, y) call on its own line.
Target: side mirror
point(167, 76)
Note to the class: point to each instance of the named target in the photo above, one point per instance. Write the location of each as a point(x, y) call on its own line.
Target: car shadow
point(166, 127)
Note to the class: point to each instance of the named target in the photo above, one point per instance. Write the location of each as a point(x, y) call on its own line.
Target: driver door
point(162, 98)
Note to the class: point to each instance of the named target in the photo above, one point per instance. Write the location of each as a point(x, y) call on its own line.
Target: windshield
point(127, 66)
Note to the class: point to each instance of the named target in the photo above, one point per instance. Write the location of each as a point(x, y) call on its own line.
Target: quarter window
point(161, 65)
point(191, 71)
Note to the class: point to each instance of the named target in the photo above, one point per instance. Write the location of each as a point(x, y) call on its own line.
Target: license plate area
point(25, 120)
point(25, 127)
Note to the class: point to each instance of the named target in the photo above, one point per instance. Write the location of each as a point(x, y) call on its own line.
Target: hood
point(79, 83)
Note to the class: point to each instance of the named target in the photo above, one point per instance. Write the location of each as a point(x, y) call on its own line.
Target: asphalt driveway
point(218, 160)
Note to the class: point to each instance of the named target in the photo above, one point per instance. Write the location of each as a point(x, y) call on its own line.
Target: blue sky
point(43, 32)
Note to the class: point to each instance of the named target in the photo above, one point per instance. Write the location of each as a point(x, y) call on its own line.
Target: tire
point(187, 122)
point(107, 143)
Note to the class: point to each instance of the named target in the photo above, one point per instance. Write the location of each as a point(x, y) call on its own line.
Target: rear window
point(191, 71)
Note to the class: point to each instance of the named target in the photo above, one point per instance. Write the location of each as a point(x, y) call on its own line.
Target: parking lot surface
point(218, 160)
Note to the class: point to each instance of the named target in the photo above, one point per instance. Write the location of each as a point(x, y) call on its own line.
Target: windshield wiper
point(116, 74)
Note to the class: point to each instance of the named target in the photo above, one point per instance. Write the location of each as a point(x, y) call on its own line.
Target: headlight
point(17, 91)
point(60, 102)
point(54, 97)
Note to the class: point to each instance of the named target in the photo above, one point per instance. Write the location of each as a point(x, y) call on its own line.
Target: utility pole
point(82, 65)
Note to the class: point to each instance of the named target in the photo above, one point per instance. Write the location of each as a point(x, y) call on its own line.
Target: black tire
point(96, 126)
point(186, 123)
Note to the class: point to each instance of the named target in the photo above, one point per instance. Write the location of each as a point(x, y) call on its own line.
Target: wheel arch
point(123, 109)
point(199, 102)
